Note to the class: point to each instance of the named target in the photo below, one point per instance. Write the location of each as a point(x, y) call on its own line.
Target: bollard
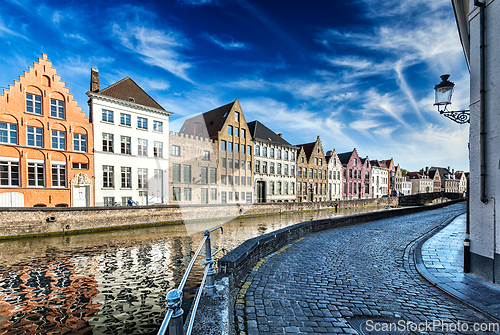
point(210, 263)
point(174, 302)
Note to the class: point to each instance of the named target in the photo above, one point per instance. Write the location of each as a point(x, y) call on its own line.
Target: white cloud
point(4, 30)
point(76, 37)
point(156, 47)
point(228, 45)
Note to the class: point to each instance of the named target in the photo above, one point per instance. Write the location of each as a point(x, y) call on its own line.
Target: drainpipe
point(482, 101)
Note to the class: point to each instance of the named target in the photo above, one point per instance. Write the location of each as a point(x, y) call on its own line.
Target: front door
point(261, 191)
point(204, 195)
point(80, 196)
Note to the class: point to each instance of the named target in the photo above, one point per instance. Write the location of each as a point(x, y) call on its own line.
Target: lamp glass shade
point(443, 95)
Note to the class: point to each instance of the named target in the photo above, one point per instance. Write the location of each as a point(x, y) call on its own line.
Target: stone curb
point(436, 282)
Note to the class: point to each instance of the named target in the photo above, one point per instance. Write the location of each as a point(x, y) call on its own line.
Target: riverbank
point(33, 222)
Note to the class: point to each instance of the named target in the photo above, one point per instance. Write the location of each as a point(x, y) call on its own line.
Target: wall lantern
point(443, 92)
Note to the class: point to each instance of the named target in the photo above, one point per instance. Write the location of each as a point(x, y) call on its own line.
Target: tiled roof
point(308, 148)
point(210, 122)
point(344, 157)
point(126, 89)
point(261, 132)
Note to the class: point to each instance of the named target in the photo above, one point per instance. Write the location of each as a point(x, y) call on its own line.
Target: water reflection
point(112, 282)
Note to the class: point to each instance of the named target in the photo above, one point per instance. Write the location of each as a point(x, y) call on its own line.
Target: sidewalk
point(440, 260)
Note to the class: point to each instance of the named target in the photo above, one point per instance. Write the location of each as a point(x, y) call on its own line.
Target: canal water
point(114, 282)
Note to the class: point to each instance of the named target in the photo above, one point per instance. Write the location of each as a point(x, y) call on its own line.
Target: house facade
point(312, 172)
point(406, 186)
point(391, 168)
point(227, 127)
point(484, 138)
point(275, 165)
point(380, 176)
point(357, 176)
point(462, 181)
point(335, 174)
point(46, 143)
point(130, 143)
point(193, 169)
point(420, 183)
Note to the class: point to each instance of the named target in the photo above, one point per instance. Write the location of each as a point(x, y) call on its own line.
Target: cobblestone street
point(321, 283)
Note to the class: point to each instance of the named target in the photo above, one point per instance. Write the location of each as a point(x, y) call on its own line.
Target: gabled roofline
point(127, 103)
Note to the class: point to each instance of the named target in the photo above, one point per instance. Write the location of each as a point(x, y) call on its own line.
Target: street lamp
point(443, 92)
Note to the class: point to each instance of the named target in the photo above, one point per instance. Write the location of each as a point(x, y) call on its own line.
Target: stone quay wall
point(39, 221)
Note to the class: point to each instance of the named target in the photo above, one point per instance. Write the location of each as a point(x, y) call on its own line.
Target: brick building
point(227, 127)
point(46, 143)
point(312, 169)
point(193, 170)
point(357, 175)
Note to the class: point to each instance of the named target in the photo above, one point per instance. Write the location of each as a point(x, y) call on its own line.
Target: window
point(126, 177)
point(264, 167)
point(223, 179)
point(286, 155)
point(213, 194)
point(213, 175)
point(35, 136)
point(206, 155)
point(302, 159)
point(279, 169)
point(278, 187)
point(107, 116)
point(249, 166)
point(80, 166)
point(229, 146)
point(34, 103)
point(187, 173)
point(271, 168)
point(243, 135)
point(109, 201)
point(142, 123)
point(292, 156)
point(264, 151)
point(316, 174)
point(158, 149)
point(230, 163)
point(350, 173)
point(230, 130)
point(249, 182)
point(236, 131)
point(142, 147)
point(236, 164)
point(108, 177)
point(158, 126)
point(311, 173)
point(257, 166)
point(236, 146)
point(242, 149)
point(125, 120)
point(230, 196)
point(257, 150)
point(80, 142)
point(176, 173)
point(286, 188)
point(271, 152)
point(58, 140)
point(236, 116)
point(107, 142)
point(176, 194)
point(57, 108)
point(299, 172)
point(176, 150)
point(204, 175)
point(292, 188)
point(125, 145)
point(320, 161)
point(230, 179)
point(223, 162)
point(249, 150)
point(315, 160)
point(58, 175)
point(8, 133)
point(355, 162)
point(35, 174)
point(279, 154)
point(243, 181)
point(299, 188)
point(236, 180)
point(243, 165)
point(355, 172)
point(187, 194)
point(286, 169)
point(142, 178)
point(223, 145)
point(236, 196)
point(292, 170)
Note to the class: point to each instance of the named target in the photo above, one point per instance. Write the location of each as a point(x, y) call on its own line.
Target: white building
point(130, 144)
point(420, 183)
point(275, 165)
point(406, 186)
point(380, 179)
point(334, 170)
point(476, 20)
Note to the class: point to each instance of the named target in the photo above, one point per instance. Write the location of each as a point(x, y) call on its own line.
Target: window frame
point(55, 103)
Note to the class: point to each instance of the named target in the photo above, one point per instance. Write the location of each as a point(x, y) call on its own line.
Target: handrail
point(174, 296)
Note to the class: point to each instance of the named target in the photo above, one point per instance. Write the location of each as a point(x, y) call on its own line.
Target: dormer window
point(131, 99)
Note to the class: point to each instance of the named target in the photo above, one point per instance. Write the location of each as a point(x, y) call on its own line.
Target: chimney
point(453, 171)
point(94, 80)
point(426, 170)
point(449, 170)
point(280, 135)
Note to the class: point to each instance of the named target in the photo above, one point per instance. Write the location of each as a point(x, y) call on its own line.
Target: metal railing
point(173, 319)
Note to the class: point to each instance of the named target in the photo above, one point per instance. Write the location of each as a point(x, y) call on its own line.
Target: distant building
point(46, 143)
point(447, 177)
point(357, 176)
point(193, 175)
point(130, 141)
point(227, 127)
point(398, 177)
point(420, 183)
point(462, 181)
point(380, 176)
point(406, 186)
point(312, 172)
point(334, 175)
point(275, 165)
point(391, 168)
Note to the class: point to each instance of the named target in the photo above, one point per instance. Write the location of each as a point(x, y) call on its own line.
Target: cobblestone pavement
point(321, 283)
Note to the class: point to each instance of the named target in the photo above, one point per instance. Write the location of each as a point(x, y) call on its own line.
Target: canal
point(114, 282)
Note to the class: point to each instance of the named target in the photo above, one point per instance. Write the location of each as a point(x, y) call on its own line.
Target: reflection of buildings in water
point(50, 298)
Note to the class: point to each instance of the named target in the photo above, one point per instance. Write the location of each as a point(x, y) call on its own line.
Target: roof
point(126, 89)
point(308, 148)
point(415, 175)
point(211, 122)
point(442, 171)
point(458, 175)
point(344, 157)
point(261, 132)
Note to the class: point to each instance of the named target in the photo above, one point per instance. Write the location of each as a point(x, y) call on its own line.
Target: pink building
point(357, 176)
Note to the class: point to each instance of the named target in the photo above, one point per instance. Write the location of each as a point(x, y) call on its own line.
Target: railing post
point(174, 302)
point(210, 263)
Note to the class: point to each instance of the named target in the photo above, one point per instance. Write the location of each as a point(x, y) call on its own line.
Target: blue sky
point(357, 73)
